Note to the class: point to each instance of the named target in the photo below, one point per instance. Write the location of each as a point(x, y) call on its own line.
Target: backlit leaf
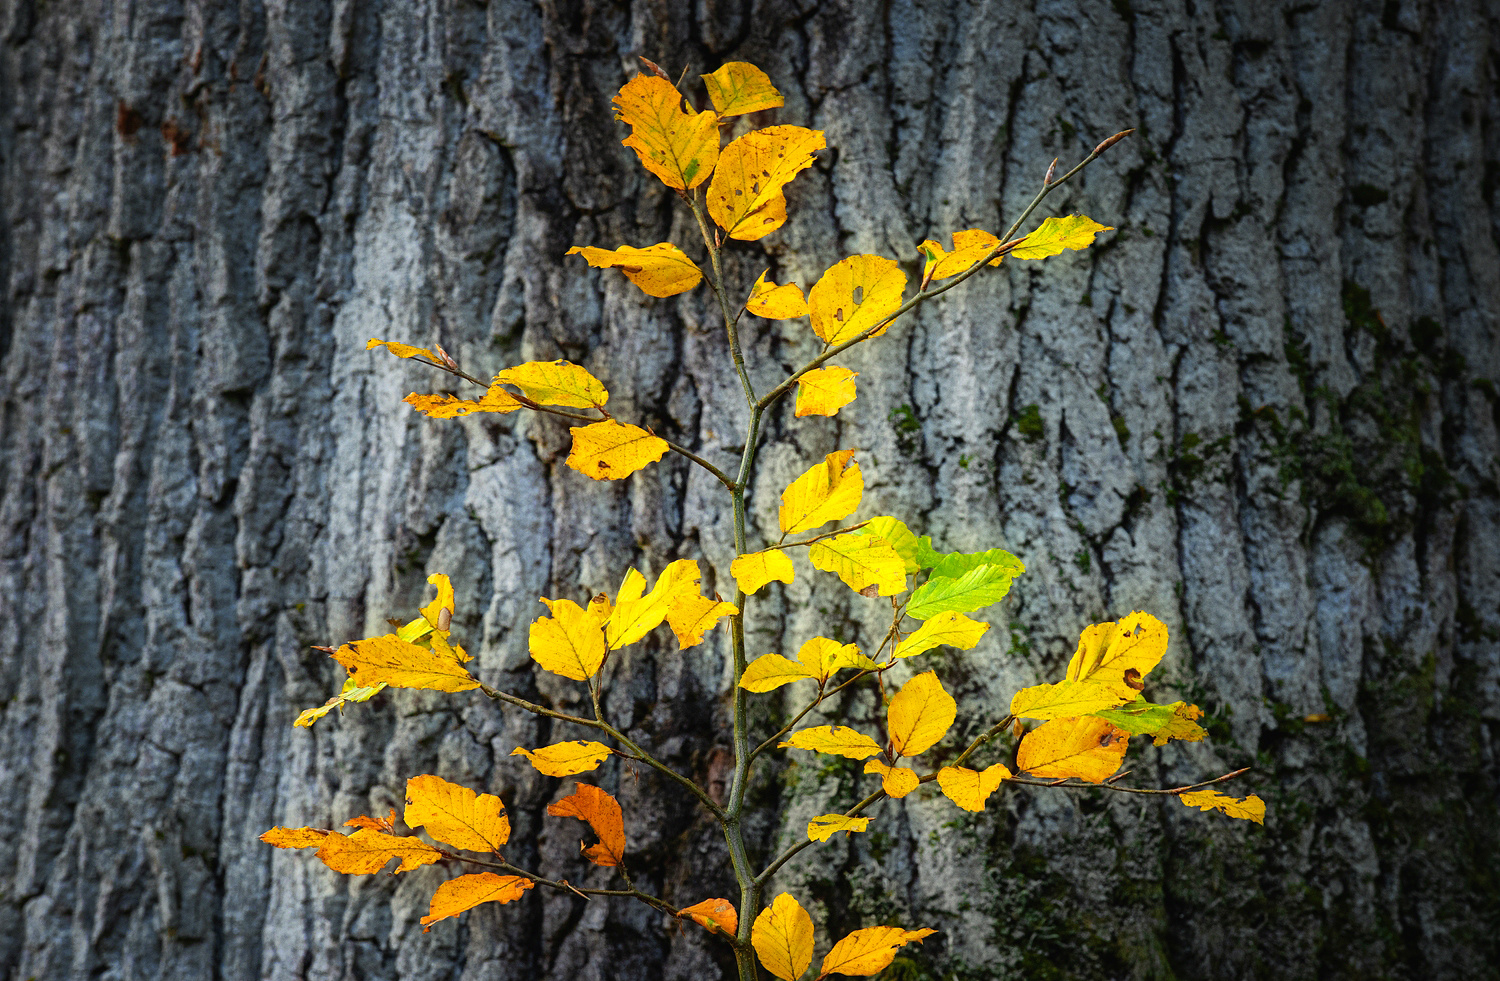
point(660, 270)
point(1063, 700)
point(1250, 808)
point(854, 295)
point(1056, 234)
point(970, 789)
point(611, 450)
point(496, 399)
point(745, 197)
point(602, 813)
point(968, 248)
point(975, 589)
point(826, 658)
point(692, 617)
point(955, 564)
point(294, 837)
point(1119, 654)
point(456, 815)
point(678, 146)
point(950, 628)
point(833, 740)
point(570, 642)
point(774, 302)
point(739, 87)
point(637, 613)
point(901, 538)
point(404, 350)
point(368, 851)
point(782, 936)
point(919, 715)
point(565, 759)
point(459, 895)
point(869, 951)
point(825, 826)
point(1161, 722)
point(379, 824)
point(556, 383)
point(829, 491)
point(714, 915)
point(824, 391)
point(352, 693)
point(394, 662)
point(1088, 748)
point(439, 613)
point(754, 570)
point(896, 781)
point(862, 562)
point(770, 671)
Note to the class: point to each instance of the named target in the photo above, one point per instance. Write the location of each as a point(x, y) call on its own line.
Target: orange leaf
point(611, 450)
point(679, 147)
point(294, 837)
point(368, 851)
point(1089, 748)
point(456, 815)
point(467, 891)
point(739, 87)
point(854, 295)
point(869, 951)
point(602, 813)
point(783, 938)
point(660, 270)
point(392, 661)
point(824, 391)
point(496, 399)
point(714, 914)
point(745, 197)
point(375, 824)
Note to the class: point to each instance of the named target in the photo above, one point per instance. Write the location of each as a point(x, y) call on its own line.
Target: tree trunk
point(1264, 409)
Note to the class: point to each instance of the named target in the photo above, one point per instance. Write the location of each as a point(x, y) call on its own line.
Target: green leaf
point(975, 589)
point(902, 539)
point(1161, 722)
point(927, 557)
point(955, 564)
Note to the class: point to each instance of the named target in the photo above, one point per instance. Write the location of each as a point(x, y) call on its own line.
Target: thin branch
point(723, 477)
point(790, 853)
point(826, 534)
point(563, 885)
point(731, 325)
point(1172, 792)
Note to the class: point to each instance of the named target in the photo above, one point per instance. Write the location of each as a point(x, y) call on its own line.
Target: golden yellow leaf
point(660, 270)
point(714, 915)
point(770, 671)
point(570, 642)
point(919, 715)
point(565, 759)
point(833, 740)
point(456, 815)
point(351, 693)
point(692, 616)
point(294, 837)
point(968, 248)
point(824, 391)
point(1056, 234)
point(739, 87)
point(1088, 748)
point(896, 781)
point(557, 383)
point(496, 399)
point(1250, 808)
point(854, 295)
point(825, 826)
point(367, 851)
point(970, 789)
point(774, 302)
point(602, 813)
point(468, 891)
point(829, 491)
point(679, 147)
point(378, 824)
point(754, 570)
point(404, 350)
point(869, 951)
point(782, 936)
point(636, 612)
point(439, 613)
point(826, 658)
point(745, 196)
point(611, 450)
point(394, 662)
point(1063, 700)
point(1119, 654)
point(950, 628)
point(863, 562)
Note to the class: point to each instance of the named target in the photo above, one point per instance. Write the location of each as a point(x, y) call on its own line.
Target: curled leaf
point(602, 813)
point(774, 302)
point(825, 826)
point(660, 270)
point(968, 248)
point(294, 837)
point(1250, 808)
point(869, 951)
point(739, 87)
point(714, 915)
point(404, 350)
point(970, 789)
point(367, 851)
point(691, 617)
point(896, 781)
point(496, 399)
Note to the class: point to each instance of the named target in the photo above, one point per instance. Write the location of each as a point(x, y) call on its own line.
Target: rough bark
point(1265, 410)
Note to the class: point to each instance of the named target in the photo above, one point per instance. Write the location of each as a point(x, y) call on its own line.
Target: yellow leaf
point(570, 642)
point(660, 270)
point(565, 759)
point(1087, 748)
point(351, 693)
point(902, 539)
point(692, 616)
point(1119, 654)
point(758, 568)
point(602, 813)
point(456, 815)
point(294, 837)
point(379, 824)
point(468, 891)
point(833, 740)
point(774, 302)
point(826, 658)
point(869, 951)
point(863, 562)
point(969, 789)
point(856, 294)
point(896, 781)
point(556, 383)
point(783, 938)
point(745, 196)
point(770, 671)
point(714, 915)
point(1250, 808)
point(439, 612)
point(611, 450)
point(404, 350)
point(825, 826)
point(968, 248)
point(496, 399)
point(824, 391)
point(950, 628)
point(1063, 700)
point(739, 87)
point(367, 851)
point(1056, 234)
point(679, 147)
point(635, 615)
point(394, 662)
point(829, 491)
point(919, 715)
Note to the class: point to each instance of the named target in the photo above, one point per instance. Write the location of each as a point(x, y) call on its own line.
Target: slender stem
point(787, 855)
point(731, 320)
point(826, 534)
point(1170, 792)
point(563, 885)
point(723, 477)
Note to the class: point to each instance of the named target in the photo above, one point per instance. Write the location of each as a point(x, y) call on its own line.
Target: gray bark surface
point(1264, 409)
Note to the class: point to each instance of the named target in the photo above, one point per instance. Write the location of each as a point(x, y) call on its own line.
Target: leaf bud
point(1112, 141)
